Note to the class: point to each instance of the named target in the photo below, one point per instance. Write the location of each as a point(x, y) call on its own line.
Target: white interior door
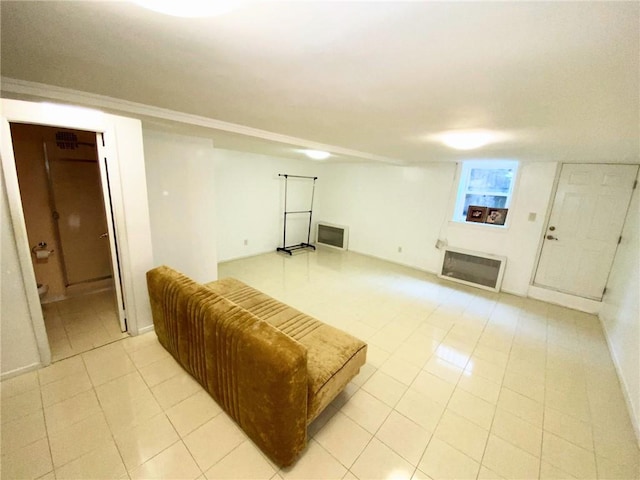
point(586, 221)
point(109, 188)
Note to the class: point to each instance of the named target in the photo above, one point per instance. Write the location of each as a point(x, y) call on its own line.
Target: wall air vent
point(66, 140)
point(481, 270)
point(335, 236)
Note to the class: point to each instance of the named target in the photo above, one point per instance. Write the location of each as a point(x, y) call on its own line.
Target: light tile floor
point(79, 324)
point(459, 383)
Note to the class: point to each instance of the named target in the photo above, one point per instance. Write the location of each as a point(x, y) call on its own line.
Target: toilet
point(42, 290)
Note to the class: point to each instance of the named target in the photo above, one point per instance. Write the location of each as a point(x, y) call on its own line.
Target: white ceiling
point(369, 80)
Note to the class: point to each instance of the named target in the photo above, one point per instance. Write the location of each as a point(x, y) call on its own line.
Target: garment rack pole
point(291, 248)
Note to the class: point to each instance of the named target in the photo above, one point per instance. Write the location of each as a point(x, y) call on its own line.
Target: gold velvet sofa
point(272, 368)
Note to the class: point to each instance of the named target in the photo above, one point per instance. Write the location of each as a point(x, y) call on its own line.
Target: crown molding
point(86, 99)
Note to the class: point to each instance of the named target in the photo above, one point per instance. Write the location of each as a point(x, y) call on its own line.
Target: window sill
point(479, 226)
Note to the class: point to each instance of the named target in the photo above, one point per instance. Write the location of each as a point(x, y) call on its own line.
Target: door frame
point(132, 232)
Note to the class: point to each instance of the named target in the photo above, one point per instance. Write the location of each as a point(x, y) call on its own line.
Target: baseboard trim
point(565, 300)
point(147, 329)
point(633, 415)
point(20, 371)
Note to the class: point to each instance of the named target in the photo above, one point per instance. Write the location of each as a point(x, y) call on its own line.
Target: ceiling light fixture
point(316, 154)
point(191, 8)
point(468, 139)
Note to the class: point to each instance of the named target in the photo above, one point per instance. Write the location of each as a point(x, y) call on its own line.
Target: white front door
point(582, 235)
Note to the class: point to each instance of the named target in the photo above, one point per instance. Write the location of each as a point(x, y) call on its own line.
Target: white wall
point(19, 349)
point(620, 314)
point(250, 195)
point(387, 207)
point(182, 203)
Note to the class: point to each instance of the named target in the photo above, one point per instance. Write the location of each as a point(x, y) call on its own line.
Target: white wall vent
point(336, 236)
point(481, 270)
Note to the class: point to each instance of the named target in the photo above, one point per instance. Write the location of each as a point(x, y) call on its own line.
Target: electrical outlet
point(399, 249)
point(246, 242)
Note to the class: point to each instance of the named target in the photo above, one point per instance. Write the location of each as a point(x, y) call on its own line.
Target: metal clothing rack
point(291, 248)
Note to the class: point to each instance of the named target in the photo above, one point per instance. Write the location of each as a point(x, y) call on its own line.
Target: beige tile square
point(379, 461)
point(22, 431)
point(570, 428)
point(157, 372)
point(77, 439)
point(148, 354)
point(485, 369)
point(612, 469)
point(400, 369)
point(107, 363)
point(443, 369)
point(376, 356)
point(509, 461)
point(524, 385)
point(520, 433)
point(20, 405)
point(103, 462)
point(568, 457)
point(462, 434)
point(487, 474)
point(48, 476)
point(420, 409)
point(173, 463)
point(366, 410)
point(574, 404)
point(385, 388)
point(472, 408)
point(244, 463)
point(128, 386)
point(142, 442)
point(65, 388)
point(480, 387)
point(417, 350)
point(70, 411)
point(126, 412)
point(549, 472)
point(442, 461)
point(314, 463)
point(174, 390)
point(365, 373)
point(30, 461)
point(499, 356)
point(212, 441)
point(521, 406)
point(405, 437)
point(454, 352)
point(418, 475)
point(433, 387)
point(343, 438)
point(133, 343)
point(18, 385)
point(193, 412)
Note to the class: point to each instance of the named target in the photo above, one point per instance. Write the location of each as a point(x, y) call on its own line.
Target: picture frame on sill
point(497, 216)
point(476, 214)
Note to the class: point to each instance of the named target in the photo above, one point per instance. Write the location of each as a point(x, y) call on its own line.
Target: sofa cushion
point(333, 357)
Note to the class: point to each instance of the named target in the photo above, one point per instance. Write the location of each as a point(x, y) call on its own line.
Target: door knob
point(552, 228)
point(551, 237)
point(104, 235)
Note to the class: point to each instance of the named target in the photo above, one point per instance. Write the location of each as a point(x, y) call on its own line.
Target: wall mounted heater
point(336, 236)
point(481, 270)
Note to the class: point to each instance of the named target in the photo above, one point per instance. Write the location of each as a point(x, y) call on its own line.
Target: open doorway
point(62, 197)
